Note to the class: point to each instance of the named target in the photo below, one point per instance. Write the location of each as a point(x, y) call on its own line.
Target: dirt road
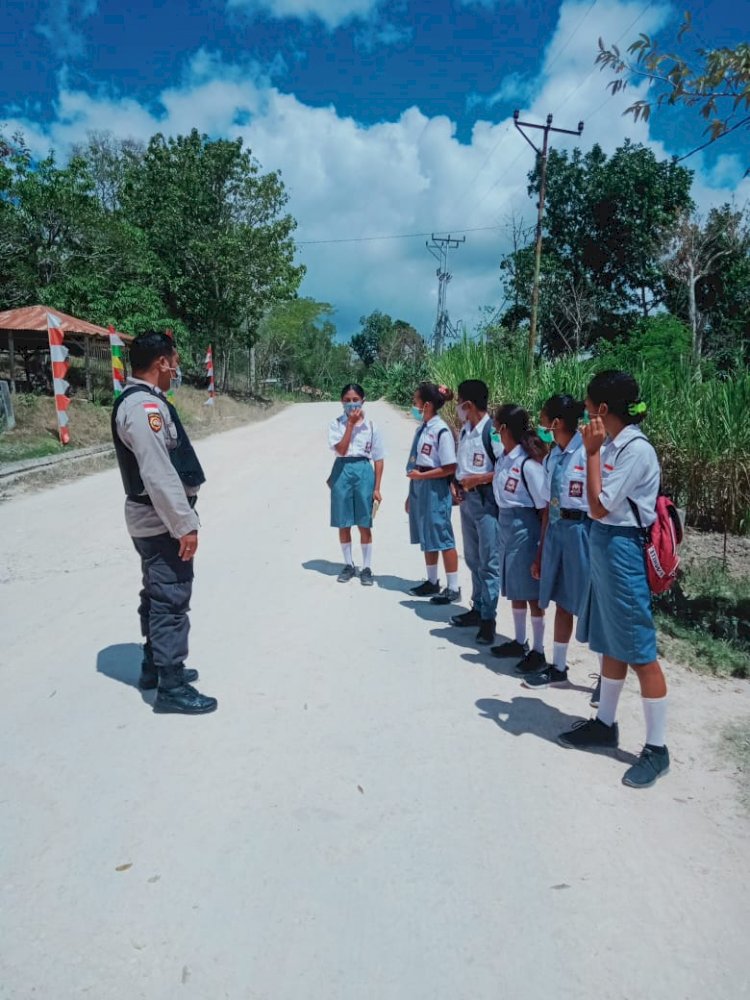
point(372, 814)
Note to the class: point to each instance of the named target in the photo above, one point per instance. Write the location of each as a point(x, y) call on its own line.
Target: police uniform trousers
point(165, 602)
point(481, 535)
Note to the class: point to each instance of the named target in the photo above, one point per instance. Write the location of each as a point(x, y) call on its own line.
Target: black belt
point(572, 515)
point(353, 458)
point(425, 468)
point(145, 500)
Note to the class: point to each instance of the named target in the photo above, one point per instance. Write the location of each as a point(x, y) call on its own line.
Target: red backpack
point(661, 540)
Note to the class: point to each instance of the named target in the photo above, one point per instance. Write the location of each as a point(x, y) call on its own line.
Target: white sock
point(346, 548)
point(537, 630)
point(519, 624)
point(559, 655)
point(655, 710)
point(608, 700)
point(366, 556)
point(452, 581)
point(432, 573)
point(600, 658)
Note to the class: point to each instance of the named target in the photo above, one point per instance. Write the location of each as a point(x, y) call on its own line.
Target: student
point(355, 485)
point(622, 477)
point(479, 513)
point(430, 469)
point(562, 566)
point(519, 491)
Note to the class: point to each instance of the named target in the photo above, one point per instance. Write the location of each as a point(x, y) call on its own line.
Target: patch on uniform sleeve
point(575, 489)
point(511, 485)
point(155, 422)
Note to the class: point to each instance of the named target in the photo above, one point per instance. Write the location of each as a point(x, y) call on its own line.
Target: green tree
point(717, 84)
point(387, 341)
point(218, 228)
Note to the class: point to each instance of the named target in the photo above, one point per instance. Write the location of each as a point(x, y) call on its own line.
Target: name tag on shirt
point(478, 461)
point(511, 485)
point(575, 489)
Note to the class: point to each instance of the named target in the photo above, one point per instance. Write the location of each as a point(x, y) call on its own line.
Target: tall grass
point(701, 428)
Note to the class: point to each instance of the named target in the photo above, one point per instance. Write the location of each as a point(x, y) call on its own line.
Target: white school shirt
point(471, 454)
point(631, 471)
point(436, 447)
point(366, 441)
point(508, 483)
point(573, 475)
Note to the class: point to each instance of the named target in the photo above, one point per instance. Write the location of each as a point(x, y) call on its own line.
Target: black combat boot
point(183, 700)
point(149, 678)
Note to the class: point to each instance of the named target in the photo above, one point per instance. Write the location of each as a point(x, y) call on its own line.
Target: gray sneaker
point(346, 574)
point(652, 765)
point(446, 596)
point(366, 577)
point(549, 677)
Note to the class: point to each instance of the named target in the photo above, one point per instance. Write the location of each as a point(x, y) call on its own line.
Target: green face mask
point(545, 434)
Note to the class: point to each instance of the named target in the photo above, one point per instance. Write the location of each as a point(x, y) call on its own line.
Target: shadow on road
point(534, 716)
point(323, 566)
point(123, 663)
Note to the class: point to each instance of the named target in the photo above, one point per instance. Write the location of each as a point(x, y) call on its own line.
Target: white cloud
point(330, 12)
point(411, 175)
point(61, 25)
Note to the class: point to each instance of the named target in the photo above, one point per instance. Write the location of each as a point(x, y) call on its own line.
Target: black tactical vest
point(183, 456)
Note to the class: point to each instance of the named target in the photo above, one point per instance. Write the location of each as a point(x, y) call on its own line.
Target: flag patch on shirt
point(578, 468)
point(608, 467)
point(151, 406)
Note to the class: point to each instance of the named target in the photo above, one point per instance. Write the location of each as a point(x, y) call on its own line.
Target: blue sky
point(385, 118)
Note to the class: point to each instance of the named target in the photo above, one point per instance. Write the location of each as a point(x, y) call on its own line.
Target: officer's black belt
point(567, 514)
point(145, 500)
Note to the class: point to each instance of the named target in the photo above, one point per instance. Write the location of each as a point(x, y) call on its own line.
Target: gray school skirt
point(616, 617)
point(430, 508)
point(352, 485)
point(520, 530)
point(565, 565)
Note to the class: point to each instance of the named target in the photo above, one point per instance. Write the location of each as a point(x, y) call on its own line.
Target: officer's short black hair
point(473, 390)
point(148, 347)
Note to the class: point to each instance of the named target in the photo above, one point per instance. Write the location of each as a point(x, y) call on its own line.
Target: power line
point(393, 236)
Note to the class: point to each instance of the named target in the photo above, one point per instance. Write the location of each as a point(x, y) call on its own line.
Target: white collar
point(131, 380)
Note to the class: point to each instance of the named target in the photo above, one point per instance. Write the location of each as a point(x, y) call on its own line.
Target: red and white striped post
point(210, 371)
point(58, 357)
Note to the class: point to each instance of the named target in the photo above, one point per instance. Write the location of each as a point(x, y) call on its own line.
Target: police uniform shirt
point(472, 456)
point(570, 465)
point(508, 483)
point(146, 428)
point(365, 442)
point(629, 472)
point(435, 445)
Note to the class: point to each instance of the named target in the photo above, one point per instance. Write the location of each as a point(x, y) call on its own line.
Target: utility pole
point(542, 160)
point(439, 248)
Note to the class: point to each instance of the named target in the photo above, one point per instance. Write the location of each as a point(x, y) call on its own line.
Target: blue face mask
point(545, 434)
point(351, 407)
point(417, 414)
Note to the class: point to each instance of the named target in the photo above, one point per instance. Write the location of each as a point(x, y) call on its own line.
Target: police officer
point(161, 475)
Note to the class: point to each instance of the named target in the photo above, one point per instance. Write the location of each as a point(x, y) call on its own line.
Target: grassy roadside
point(35, 435)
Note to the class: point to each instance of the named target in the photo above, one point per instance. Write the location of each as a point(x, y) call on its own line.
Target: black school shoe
point(486, 633)
point(532, 663)
point(447, 596)
point(469, 619)
point(510, 650)
point(590, 734)
point(652, 765)
point(346, 574)
point(550, 677)
point(425, 589)
point(183, 700)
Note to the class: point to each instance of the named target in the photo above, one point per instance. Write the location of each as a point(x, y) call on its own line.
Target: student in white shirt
point(519, 492)
point(616, 620)
point(477, 444)
point(562, 565)
point(430, 469)
point(355, 479)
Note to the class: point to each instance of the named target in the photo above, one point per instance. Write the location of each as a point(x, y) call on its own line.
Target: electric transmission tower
point(439, 247)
